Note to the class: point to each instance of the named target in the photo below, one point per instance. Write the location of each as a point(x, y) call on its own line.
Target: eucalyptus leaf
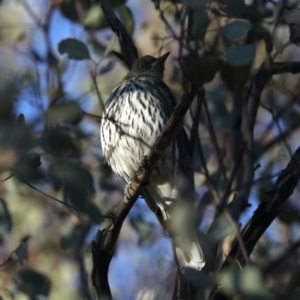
point(196, 5)
point(67, 112)
point(110, 45)
point(236, 29)
point(241, 55)
point(220, 229)
point(74, 48)
point(198, 278)
point(235, 8)
point(22, 252)
point(234, 76)
point(33, 283)
point(95, 18)
point(62, 140)
point(200, 22)
point(247, 282)
point(201, 70)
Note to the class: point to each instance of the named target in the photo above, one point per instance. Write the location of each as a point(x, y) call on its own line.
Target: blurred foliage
point(49, 139)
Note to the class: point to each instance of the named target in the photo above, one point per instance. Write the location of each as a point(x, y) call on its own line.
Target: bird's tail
point(186, 248)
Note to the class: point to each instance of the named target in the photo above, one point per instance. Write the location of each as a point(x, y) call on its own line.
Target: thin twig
point(59, 201)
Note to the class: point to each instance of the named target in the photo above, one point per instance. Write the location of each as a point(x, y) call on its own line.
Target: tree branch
point(266, 212)
point(249, 117)
point(129, 51)
point(103, 247)
point(286, 67)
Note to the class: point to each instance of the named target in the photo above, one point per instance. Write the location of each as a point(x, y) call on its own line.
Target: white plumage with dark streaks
point(135, 114)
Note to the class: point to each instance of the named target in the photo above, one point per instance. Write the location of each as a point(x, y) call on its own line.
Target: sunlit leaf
point(241, 55)
point(74, 48)
point(235, 29)
point(95, 18)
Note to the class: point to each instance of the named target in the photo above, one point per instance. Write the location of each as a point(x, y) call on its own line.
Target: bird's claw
point(144, 163)
point(127, 191)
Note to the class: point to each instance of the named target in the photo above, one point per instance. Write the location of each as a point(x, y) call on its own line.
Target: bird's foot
point(127, 192)
point(144, 163)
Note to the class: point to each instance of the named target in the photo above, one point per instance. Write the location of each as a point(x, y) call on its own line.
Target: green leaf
point(127, 18)
point(198, 278)
point(67, 112)
point(195, 5)
point(235, 8)
point(235, 29)
point(247, 282)
point(74, 48)
point(200, 22)
point(75, 179)
point(241, 55)
point(22, 253)
point(110, 45)
point(77, 184)
point(220, 229)
point(27, 168)
point(201, 70)
point(95, 18)
point(33, 283)
point(234, 76)
point(62, 141)
point(70, 9)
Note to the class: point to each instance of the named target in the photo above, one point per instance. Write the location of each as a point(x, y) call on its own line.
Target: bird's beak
point(161, 60)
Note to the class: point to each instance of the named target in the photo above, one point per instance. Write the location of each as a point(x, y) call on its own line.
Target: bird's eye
point(141, 65)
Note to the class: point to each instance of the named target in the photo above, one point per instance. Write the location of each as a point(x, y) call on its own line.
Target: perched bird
point(135, 115)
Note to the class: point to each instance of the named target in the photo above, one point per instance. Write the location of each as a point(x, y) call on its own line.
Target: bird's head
point(148, 65)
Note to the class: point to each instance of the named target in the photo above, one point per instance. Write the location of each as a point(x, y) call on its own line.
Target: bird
point(135, 115)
